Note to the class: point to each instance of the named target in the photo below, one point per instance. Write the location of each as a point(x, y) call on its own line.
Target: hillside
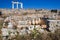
point(42, 24)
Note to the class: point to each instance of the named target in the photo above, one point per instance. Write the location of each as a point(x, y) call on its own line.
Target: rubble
point(24, 24)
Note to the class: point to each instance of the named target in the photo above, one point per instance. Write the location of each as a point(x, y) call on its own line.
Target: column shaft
point(12, 5)
point(21, 5)
point(17, 5)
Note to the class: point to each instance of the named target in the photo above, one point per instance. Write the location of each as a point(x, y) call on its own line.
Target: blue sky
point(38, 4)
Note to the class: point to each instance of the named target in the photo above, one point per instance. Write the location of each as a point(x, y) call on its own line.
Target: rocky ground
point(30, 15)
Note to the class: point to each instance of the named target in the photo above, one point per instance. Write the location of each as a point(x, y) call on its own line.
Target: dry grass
point(1, 22)
point(44, 36)
point(37, 36)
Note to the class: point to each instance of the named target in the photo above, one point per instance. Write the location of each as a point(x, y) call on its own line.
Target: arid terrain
point(41, 24)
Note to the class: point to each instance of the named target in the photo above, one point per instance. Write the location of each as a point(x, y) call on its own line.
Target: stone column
point(12, 5)
point(21, 5)
point(17, 5)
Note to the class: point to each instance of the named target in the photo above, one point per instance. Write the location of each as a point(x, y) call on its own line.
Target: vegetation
point(35, 35)
point(55, 11)
point(1, 22)
point(41, 36)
